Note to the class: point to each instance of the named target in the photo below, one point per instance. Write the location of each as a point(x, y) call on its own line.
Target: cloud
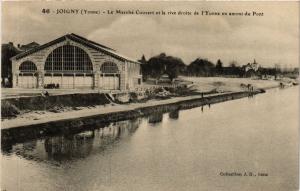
point(189, 38)
point(270, 39)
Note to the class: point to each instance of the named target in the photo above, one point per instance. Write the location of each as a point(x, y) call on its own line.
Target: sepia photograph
point(143, 96)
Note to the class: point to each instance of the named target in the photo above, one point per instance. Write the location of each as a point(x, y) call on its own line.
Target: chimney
point(19, 45)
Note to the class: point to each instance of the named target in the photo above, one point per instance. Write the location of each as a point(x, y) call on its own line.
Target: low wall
point(12, 106)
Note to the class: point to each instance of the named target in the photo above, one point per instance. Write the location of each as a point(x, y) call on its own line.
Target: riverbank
point(222, 84)
point(50, 123)
point(196, 139)
point(38, 110)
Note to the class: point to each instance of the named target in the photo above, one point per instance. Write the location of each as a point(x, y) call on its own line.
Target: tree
point(7, 51)
point(201, 67)
point(156, 66)
point(163, 64)
point(234, 69)
point(143, 60)
point(219, 67)
point(233, 64)
point(144, 68)
point(277, 69)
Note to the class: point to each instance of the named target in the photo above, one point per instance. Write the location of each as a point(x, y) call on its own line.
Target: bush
point(8, 109)
point(133, 96)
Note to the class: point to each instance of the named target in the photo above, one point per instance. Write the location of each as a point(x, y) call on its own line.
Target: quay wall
point(85, 123)
point(12, 106)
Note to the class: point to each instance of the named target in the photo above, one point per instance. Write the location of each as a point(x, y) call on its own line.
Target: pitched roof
point(28, 46)
point(31, 44)
point(80, 40)
point(93, 42)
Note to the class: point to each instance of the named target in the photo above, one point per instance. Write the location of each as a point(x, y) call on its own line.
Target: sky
point(270, 39)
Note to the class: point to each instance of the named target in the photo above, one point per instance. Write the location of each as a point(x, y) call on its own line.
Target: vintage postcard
point(141, 95)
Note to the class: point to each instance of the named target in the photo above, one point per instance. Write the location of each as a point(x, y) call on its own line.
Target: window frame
point(109, 68)
point(68, 59)
point(27, 67)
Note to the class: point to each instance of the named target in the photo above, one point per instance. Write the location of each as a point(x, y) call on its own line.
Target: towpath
point(88, 112)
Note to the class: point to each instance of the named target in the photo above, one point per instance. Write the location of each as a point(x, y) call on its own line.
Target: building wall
point(134, 75)
point(129, 71)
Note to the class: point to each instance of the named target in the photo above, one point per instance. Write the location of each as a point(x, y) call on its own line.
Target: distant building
point(252, 66)
point(251, 69)
point(28, 46)
point(72, 61)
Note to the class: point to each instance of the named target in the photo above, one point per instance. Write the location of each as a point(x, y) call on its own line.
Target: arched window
point(27, 66)
point(68, 58)
point(109, 68)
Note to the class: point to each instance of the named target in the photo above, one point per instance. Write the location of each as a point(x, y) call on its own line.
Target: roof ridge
point(93, 42)
point(38, 47)
point(77, 38)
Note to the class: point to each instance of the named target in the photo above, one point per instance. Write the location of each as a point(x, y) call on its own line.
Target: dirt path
point(45, 117)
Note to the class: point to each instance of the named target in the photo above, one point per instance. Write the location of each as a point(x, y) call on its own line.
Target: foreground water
point(185, 150)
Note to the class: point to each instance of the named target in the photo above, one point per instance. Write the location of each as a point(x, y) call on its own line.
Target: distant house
point(268, 77)
point(164, 79)
point(28, 46)
point(251, 69)
point(72, 61)
point(252, 66)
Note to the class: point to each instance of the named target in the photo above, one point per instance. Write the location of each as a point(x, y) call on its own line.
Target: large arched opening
point(28, 75)
point(69, 66)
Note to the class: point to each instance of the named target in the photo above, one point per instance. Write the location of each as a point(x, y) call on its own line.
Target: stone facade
point(129, 71)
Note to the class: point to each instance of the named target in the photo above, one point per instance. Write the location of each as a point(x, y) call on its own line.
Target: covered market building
point(71, 62)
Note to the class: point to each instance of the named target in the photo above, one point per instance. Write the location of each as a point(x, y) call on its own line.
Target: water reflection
point(71, 144)
point(155, 118)
point(183, 154)
point(66, 147)
point(174, 114)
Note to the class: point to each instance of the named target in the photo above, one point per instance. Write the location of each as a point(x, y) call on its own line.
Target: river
point(185, 150)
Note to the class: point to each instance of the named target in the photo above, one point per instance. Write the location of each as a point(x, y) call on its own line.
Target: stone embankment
point(74, 121)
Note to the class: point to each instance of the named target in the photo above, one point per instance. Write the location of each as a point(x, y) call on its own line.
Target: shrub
point(8, 109)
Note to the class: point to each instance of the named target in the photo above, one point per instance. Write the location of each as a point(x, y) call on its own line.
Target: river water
point(184, 150)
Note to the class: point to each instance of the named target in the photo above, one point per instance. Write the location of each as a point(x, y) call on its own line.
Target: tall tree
point(7, 51)
point(146, 72)
point(219, 67)
point(143, 60)
point(156, 66)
